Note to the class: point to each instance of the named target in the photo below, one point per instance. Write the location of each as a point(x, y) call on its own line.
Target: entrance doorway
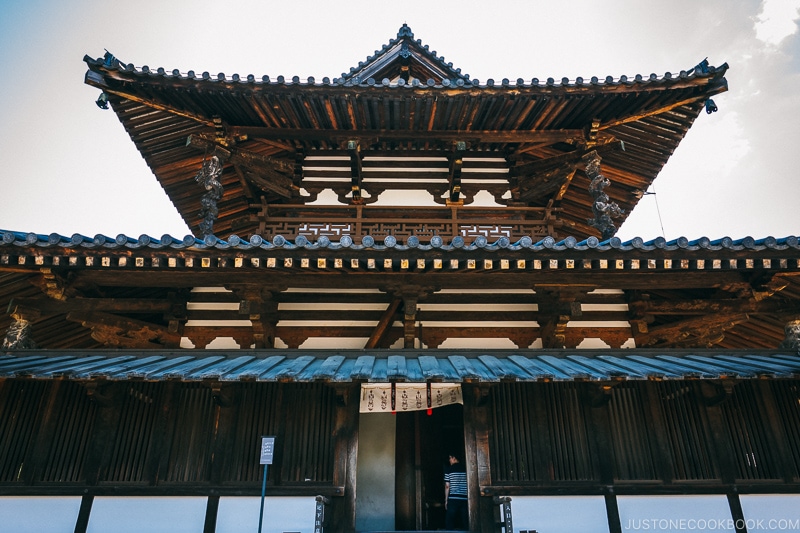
point(422, 446)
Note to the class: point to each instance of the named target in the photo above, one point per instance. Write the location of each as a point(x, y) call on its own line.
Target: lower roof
point(342, 366)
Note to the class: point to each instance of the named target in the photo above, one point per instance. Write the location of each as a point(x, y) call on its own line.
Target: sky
point(69, 167)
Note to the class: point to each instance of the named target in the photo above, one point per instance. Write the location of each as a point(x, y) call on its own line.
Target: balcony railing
point(356, 221)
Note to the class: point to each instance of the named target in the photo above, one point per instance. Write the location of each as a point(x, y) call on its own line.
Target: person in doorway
point(455, 496)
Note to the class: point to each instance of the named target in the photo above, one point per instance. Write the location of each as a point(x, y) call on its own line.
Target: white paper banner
point(377, 397)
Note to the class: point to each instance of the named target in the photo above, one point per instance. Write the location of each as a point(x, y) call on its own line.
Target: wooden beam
point(266, 172)
point(530, 168)
point(114, 330)
point(704, 307)
point(680, 331)
point(238, 155)
point(48, 306)
point(384, 324)
point(368, 137)
point(545, 183)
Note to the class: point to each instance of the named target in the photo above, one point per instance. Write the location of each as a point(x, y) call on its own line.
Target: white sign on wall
point(402, 397)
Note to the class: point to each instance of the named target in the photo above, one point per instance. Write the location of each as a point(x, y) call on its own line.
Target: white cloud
point(777, 20)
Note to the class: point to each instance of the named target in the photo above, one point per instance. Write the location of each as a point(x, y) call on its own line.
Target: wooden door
point(422, 447)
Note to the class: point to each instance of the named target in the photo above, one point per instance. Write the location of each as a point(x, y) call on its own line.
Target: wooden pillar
point(612, 513)
point(737, 513)
point(212, 508)
point(476, 452)
point(345, 433)
point(82, 523)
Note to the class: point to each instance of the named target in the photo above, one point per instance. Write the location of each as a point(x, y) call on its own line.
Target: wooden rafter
point(660, 110)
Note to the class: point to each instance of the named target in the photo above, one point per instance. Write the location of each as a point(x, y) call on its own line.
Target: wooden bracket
point(354, 149)
point(454, 175)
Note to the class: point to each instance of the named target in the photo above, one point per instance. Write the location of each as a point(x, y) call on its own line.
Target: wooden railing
point(356, 221)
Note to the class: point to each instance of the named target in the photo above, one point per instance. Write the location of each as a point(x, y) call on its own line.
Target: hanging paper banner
point(379, 397)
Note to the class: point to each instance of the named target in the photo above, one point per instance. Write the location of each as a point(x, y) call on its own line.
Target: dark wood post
point(345, 433)
point(82, 523)
point(212, 508)
point(476, 451)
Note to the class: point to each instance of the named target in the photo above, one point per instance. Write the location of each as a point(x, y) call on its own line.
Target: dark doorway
point(422, 446)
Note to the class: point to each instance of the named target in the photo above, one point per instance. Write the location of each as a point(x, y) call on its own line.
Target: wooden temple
point(387, 266)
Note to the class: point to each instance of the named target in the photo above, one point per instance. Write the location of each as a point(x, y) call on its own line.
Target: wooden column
point(82, 523)
point(476, 452)
point(345, 432)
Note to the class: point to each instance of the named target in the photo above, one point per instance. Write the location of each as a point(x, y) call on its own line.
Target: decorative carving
point(792, 337)
point(603, 208)
point(209, 178)
point(18, 336)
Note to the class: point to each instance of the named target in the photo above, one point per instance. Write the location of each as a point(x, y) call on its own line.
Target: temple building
point(388, 267)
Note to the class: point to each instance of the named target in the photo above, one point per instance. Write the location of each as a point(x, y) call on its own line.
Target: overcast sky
point(69, 167)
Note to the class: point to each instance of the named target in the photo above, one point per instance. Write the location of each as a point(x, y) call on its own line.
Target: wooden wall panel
point(258, 407)
point(65, 448)
point(691, 454)
point(749, 435)
point(21, 405)
point(558, 441)
point(513, 439)
point(130, 452)
point(308, 438)
point(630, 439)
point(570, 457)
point(787, 401)
point(192, 435)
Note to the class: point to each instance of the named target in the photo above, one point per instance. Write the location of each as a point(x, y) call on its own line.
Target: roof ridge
point(390, 54)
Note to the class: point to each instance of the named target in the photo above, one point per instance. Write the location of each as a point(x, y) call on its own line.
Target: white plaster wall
point(375, 472)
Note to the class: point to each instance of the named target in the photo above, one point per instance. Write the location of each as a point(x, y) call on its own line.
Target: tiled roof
point(562, 84)
point(401, 365)
point(190, 242)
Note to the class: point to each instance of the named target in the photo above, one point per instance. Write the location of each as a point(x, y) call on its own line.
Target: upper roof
point(285, 140)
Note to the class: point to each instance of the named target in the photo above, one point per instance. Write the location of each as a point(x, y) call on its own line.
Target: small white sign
point(267, 450)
